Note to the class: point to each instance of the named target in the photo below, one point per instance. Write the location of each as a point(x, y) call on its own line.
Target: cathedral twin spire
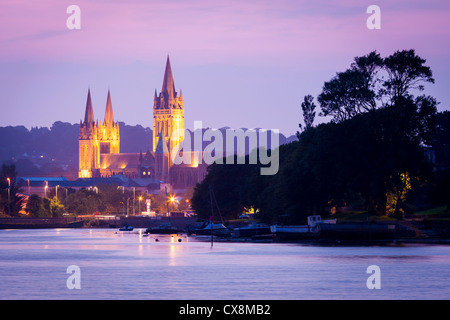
point(109, 116)
point(96, 138)
point(89, 120)
point(89, 114)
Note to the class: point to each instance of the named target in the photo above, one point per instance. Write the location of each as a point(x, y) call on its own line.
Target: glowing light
point(84, 174)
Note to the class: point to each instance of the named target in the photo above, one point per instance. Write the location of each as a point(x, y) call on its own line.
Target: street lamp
point(172, 200)
point(134, 198)
point(45, 189)
point(66, 198)
point(9, 196)
point(57, 193)
point(140, 198)
point(123, 199)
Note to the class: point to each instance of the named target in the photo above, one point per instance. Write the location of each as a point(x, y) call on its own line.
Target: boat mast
point(211, 218)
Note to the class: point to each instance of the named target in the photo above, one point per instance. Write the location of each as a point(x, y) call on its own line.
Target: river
point(129, 265)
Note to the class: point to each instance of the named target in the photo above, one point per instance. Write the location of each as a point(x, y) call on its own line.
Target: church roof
point(143, 182)
point(161, 147)
point(109, 116)
point(119, 160)
point(149, 158)
point(89, 114)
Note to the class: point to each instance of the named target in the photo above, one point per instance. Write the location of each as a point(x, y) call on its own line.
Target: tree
point(12, 199)
point(35, 206)
point(113, 199)
point(185, 202)
point(161, 203)
point(441, 140)
point(308, 109)
point(227, 183)
point(440, 191)
point(84, 201)
point(353, 91)
point(362, 87)
point(405, 71)
point(369, 157)
point(56, 208)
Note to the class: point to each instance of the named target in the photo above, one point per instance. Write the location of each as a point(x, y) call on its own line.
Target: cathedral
point(99, 143)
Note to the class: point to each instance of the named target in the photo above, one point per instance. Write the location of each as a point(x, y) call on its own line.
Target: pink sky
point(285, 41)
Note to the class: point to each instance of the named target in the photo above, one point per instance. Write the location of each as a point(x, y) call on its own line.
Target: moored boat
point(251, 230)
point(163, 229)
point(309, 230)
point(126, 227)
point(218, 229)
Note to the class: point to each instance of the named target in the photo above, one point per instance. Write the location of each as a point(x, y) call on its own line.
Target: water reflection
point(33, 265)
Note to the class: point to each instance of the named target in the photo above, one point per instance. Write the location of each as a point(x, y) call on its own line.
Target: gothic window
point(105, 147)
point(85, 156)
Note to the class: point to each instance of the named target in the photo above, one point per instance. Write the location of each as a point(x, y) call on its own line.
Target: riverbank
point(40, 223)
point(424, 231)
point(92, 222)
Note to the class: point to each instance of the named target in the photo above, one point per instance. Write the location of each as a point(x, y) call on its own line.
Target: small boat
point(126, 228)
point(209, 228)
point(298, 231)
point(218, 229)
point(165, 228)
point(251, 230)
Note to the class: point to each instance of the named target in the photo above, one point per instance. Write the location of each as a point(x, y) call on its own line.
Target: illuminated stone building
point(97, 139)
point(99, 143)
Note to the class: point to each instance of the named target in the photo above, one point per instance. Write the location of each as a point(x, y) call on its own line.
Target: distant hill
point(54, 151)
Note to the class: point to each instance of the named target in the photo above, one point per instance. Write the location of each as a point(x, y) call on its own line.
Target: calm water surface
point(117, 265)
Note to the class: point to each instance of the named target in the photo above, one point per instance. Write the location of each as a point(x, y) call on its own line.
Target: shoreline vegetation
point(383, 157)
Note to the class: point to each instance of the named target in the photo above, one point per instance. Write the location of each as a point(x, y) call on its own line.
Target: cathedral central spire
point(168, 87)
point(168, 112)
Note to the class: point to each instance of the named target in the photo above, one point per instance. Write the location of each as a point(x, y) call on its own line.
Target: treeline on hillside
point(34, 151)
point(43, 151)
point(386, 151)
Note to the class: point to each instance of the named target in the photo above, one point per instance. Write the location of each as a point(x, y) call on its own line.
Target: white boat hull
point(290, 229)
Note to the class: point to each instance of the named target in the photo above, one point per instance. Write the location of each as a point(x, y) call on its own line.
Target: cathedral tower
point(109, 131)
point(168, 113)
point(88, 144)
point(96, 139)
